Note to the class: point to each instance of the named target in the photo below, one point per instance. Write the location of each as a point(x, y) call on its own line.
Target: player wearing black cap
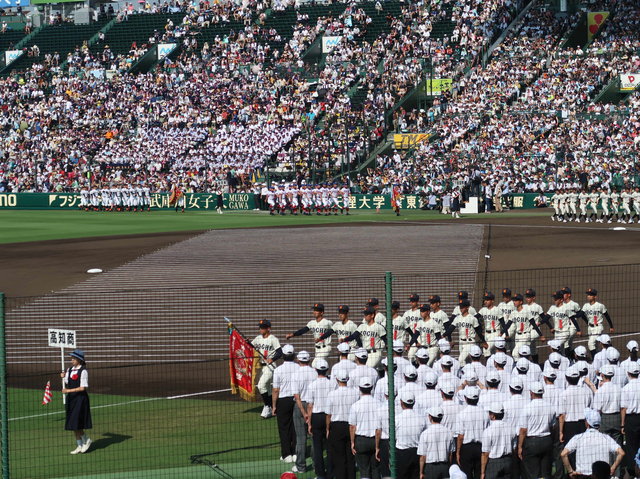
point(379, 317)
point(371, 336)
point(342, 328)
point(594, 311)
point(400, 328)
point(436, 312)
point(507, 307)
point(524, 323)
point(269, 350)
point(560, 314)
point(427, 334)
point(573, 311)
point(468, 327)
point(411, 318)
point(490, 316)
point(538, 314)
point(462, 295)
point(318, 326)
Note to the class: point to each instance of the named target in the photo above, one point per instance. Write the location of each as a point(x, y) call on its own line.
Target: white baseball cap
point(361, 353)
point(410, 372)
point(342, 375)
point(385, 362)
point(288, 350)
point(572, 372)
point(398, 346)
point(593, 417)
point(448, 388)
point(500, 358)
point(431, 378)
point(493, 377)
point(550, 373)
point(435, 411)
point(555, 344)
point(470, 374)
point(604, 339)
point(366, 382)
point(344, 348)
point(495, 407)
point(446, 360)
point(633, 368)
point(555, 358)
point(500, 342)
point(422, 353)
point(407, 396)
point(537, 388)
point(475, 351)
point(612, 354)
point(581, 352)
point(444, 345)
point(516, 384)
point(472, 392)
point(525, 350)
point(322, 365)
point(608, 370)
point(631, 345)
point(304, 356)
point(522, 364)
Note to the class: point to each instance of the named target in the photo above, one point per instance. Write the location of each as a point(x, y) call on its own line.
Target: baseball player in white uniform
point(84, 198)
point(427, 334)
point(468, 328)
point(411, 318)
point(345, 192)
point(626, 209)
point(436, 311)
point(506, 307)
point(538, 313)
point(524, 323)
point(146, 191)
point(491, 316)
point(269, 350)
point(615, 201)
point(595, 311)
point(379, 318)
point(584, 200)
point(555, 203)
point(343, 328)
point(560, 314)
point(318, 326)
point(371, 336)
point(334, 202)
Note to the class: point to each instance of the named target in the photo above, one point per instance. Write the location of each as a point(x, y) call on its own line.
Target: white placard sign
point(62, 338)
point(329, 43)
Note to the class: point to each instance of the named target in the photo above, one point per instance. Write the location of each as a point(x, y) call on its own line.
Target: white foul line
point(124, 403)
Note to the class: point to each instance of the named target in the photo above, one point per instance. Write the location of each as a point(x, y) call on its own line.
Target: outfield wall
point(234, 201)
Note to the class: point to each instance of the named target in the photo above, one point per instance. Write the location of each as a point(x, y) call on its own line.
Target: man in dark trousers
point(317, 412)
point(283, 403)
point(339, 404)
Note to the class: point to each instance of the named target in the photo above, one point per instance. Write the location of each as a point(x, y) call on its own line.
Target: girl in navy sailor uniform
point(76, 380)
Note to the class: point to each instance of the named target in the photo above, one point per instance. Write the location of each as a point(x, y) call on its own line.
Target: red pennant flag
point(47, 394)
point(242, 365)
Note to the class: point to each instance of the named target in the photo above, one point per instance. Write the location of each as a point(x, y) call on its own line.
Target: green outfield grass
point(137, 437)
point(39, 225)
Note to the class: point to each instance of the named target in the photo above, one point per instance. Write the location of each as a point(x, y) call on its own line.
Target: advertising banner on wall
point(329, 43)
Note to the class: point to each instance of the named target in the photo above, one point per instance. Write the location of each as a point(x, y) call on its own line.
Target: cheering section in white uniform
point(595, 311)
point(343, 329)
point(371, 336)
point(525, 325)
point(318, 326)
point(269, 350)
point(468, 327)
point(427, 333)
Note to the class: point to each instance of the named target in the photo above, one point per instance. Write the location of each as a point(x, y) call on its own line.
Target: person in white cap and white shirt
point(399, 362)
point(500, 361)
point(600, 358)
point(411, 382)
point(469, 380)
point(556, 347)
point(554, 362)
point(613, 357)
point(431, 396)
point(409, 427)
point(382, 385)
point(501, 348)
point(535, 371)
point(581, 355)
point(435, 447)
point(339, 404)
point(607, 401)
point(382, 432)
point(362, 370)
point(492, 393)
point(522, 371)
point(630, 412)
point(535, 438)
point(498, 442)
point(552, 393)
point(317, 413)
point(447, 376)
point(590, 447)
point(284, 402)
point(345, 363)
point(302, 379)
point(472, 421)
point(445, 349)
point(422, 356)
point(427, 333)
point(362, 429)
point(632, 347)
point(513, 408)
point(475, 353)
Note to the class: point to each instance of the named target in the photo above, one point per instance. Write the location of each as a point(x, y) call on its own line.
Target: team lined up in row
point(324, 198)
point(116, 198)
point(517, 319)
point(501, 419)
point(623, 205)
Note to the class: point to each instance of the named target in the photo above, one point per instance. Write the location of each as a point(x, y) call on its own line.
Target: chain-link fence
point(158, 365)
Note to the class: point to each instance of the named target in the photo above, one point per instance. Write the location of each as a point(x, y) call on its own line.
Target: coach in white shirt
point(590, 447)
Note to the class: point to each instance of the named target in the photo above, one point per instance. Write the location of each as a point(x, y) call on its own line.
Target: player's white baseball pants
point(594, 332)
point(412, 353)
point(490, 336)
point(594, 207)
point(583, 210)
point(520, 340)
point(465, 346)
point(321, 353)
point(373, 361)
point(433, 355)
point(266, 377)
point(573, 208)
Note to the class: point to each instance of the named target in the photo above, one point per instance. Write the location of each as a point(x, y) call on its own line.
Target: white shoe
point(86, 446)
point(553, 218)
point(295, 469)
point(77, 450)
point(630, 222)
point(289, 459)
point(264, 411)
point(564, 221)
point(609, 221)
point(268, 413)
